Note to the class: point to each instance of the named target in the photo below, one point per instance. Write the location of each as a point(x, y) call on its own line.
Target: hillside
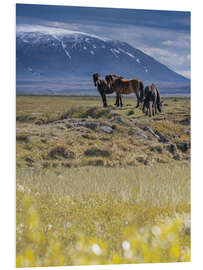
point(52, 60)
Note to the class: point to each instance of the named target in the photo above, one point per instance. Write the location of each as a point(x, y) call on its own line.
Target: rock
point(91, 125)
point(162, 138)
point(29, 160)
point(160, 160)
point(172, 148)
point(120, 120)
point(84, 123)
point(130, 112)
point(137, 132)
point(151, 131)
point(157, 148)
point(60, 126)
point(177, 157)
point(106, 129)
point(69, 125)
point(183, 146)
point(185, 121)
point(187, 132)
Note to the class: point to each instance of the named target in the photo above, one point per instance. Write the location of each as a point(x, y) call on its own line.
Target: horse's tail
point(141, 91)
point(158, 101)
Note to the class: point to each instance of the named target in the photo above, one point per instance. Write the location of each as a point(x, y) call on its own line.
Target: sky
point(164, 35)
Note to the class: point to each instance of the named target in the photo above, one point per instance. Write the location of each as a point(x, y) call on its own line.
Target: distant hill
point(53, 60)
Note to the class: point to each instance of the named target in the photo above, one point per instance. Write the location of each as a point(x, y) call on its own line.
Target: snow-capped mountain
point(57, 53)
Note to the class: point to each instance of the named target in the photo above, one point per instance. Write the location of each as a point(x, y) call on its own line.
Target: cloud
point(172, 59)
point(182, 41)
point(185, 73)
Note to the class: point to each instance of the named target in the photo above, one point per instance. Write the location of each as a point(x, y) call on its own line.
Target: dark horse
point(122, 86)
point(152, 95)
point(103, 88)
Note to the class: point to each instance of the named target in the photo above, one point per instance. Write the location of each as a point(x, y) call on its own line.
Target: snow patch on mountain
point(23, 29)
point(129, 54)
point(63, 46)
point(115, 52)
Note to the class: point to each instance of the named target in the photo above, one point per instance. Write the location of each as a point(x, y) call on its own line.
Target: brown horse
point(152, 95)
point(103, 88)
point(122, 86)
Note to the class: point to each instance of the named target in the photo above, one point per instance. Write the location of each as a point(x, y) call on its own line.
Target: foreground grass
point(85, 196)
point(95, 215)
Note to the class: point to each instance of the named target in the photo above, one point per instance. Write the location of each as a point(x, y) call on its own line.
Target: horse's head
point(95, 78)
point(109, 79)
point(146, 91)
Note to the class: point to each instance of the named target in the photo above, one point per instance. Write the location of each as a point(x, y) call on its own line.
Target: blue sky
point(165, 35)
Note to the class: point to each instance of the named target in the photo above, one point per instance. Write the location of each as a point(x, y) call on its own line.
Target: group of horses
point(112, 83)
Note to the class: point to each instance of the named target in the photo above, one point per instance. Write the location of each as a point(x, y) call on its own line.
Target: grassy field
point(101, 185)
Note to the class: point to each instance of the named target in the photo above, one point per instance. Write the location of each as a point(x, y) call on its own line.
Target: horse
point(152, 95)
point(118, 98)
point(123, 86)
point(103, 88)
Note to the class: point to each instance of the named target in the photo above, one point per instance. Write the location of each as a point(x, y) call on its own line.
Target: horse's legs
point(144, 105)
point(138, 99)
point(117, 99)
point(103, 96)
point(150, 111)
point(104, 101)
point(147, 105)
point(153, 109)
point(120, 98)
point(155, 105)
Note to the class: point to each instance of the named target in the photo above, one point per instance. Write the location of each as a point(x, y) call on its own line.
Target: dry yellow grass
point(72, 213)
point(88, 197)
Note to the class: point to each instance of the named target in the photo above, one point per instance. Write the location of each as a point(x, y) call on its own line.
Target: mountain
point(57, 60)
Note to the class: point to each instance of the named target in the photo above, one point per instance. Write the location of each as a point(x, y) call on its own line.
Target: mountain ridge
point(57, 53)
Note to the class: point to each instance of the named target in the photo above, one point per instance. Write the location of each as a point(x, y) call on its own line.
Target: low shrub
point(96, 152)
point(61, 151)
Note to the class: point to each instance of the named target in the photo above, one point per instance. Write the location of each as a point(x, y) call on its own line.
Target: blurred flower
point(96, 249)
point(126, 245)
